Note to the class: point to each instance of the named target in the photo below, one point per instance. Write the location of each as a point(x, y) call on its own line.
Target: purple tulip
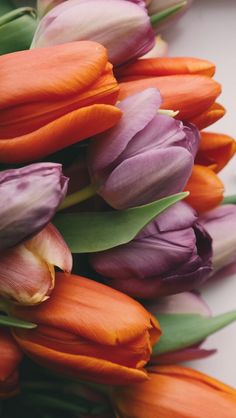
point(30, 197)
point(172, 254)
point(123, 27)
point(220, 223)
point(145, 157)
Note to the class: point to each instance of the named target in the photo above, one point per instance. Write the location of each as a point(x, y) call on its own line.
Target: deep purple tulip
point(145, 157)
point(220, 223)
point(30, 197)
point(172, 254)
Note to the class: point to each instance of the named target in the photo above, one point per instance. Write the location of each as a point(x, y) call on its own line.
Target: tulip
point(215, 150)
point(27, 273)
point(210, 116)
point(145, 157)
point(89, 331)
point(57, 97)
point(172, 254)
point(206, 189)
point(123, 27)
point(220, 224)
point(17, 29)
point(175, 392)
point(10, 359)
point(30, 198)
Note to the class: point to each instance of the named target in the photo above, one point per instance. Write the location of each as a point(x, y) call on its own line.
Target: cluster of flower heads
point(103, 154)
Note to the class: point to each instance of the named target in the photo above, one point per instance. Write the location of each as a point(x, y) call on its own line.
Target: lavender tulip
point(123, 27)
point(145, 157)
point(220, 223)
point(30, 198)
point(172, 254)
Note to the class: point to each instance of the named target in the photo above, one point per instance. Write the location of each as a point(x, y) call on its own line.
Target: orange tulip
point(51, 98)
point(190, 94)
point(89, 331)
point(175, 392)
point(10, 359)
point(206, 189)
point(210, 116)
point(163, 66)
point(215, 150)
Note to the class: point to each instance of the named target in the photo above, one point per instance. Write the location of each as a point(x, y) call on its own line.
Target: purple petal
point(179, 356)
point(30, 198)
point(186, 302)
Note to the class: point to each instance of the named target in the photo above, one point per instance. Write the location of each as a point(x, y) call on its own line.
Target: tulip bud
point(220, 224)
point(145, 157)
point(175, 392)
point(123, 27)
point(17, 29)
point(27, 273)
point(30, 198)
point(170, 255)
point(10, 359)
point(89, 331)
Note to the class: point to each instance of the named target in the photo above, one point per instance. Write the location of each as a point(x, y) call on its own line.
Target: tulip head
point(27, 273)
point(172, 254)
point(89, 331)
point(163, 395)
point(10, 359)
point(145, 157)
point(123, 27)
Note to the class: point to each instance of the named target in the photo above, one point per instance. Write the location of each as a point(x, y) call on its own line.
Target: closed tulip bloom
point(175, 392)
point(220, 224)
point(27, 272)
point(123, 27)
point(30, 198)
point(215, 150)
point(170, 255)
point(89, 331)
point(11, 356)
point(206, 189)
point(57, 97)
point(147, 156)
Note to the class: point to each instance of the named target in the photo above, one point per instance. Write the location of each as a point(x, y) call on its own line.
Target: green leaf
point(87, 232)
point(164, 14)
point(184, 330)
point(5, 6)
point(229, 200)
point(8, 321)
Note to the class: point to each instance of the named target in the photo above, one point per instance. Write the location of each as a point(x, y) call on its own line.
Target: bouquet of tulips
point(112, 214)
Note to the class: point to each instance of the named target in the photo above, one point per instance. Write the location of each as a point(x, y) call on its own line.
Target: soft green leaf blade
point(5, 6)
point(87, 232)
point(229, 200)
point(164, 14)
point(8, 321)
point(183, 330)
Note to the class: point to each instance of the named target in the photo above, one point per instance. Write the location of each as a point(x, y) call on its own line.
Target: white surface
point(208, 31)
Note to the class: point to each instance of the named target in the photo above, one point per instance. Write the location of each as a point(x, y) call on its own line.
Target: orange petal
point(150, 67)
point(206, 189)
point(190, 94)
point(210, 116)
point(67, 130)
point(10, 358)
point(215, 150)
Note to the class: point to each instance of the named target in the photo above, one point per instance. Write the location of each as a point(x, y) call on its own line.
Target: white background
point(208, 30)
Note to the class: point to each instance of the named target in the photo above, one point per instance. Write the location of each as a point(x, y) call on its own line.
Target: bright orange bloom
point(152, 67)
point(190, 94)
point(10, 359)
point(175, 392)
point(206, 189)
point(210, 116)
point(215, 150)
point(51, 98)
point(90, 331)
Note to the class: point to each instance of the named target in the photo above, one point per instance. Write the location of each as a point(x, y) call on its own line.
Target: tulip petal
point(210, 116)
point(11, 356)
point(179, 356)
point(62, 132)
point(185, 302)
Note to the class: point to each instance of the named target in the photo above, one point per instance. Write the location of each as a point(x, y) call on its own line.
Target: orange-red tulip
point(90, 331)
point(189, 93)
point(210, 116)
point(10, 359)
point(215, 150)
point(206, 189)
point(51, 98)
point(175, 392)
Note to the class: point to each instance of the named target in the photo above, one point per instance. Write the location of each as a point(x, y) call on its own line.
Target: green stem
point(78, 197)
point(159, 17)
point(229, 199)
